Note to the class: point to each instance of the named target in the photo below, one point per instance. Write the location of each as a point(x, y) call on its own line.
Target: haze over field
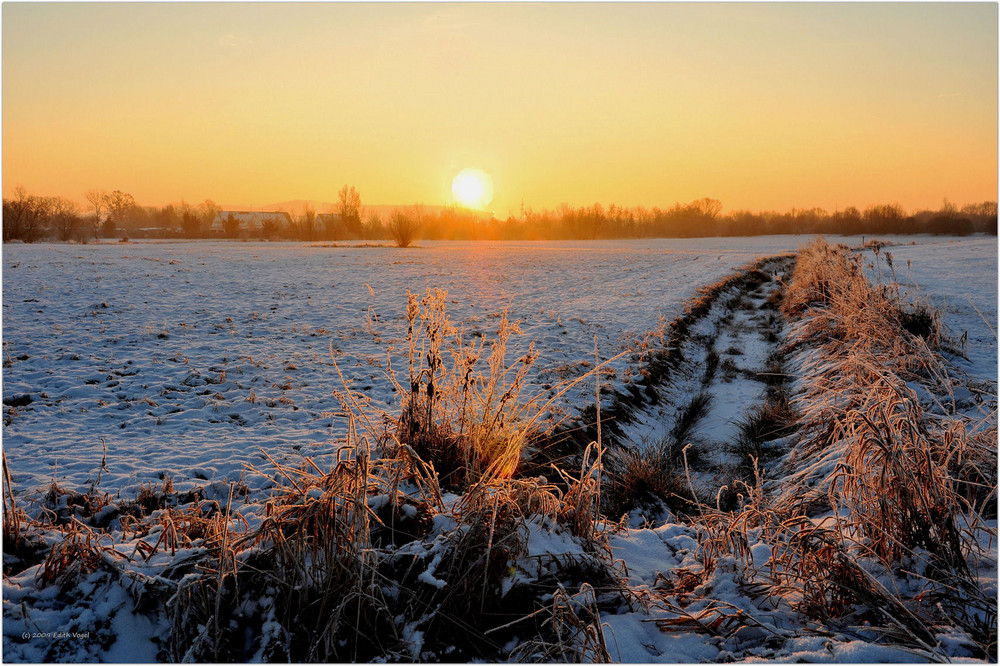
point(761, 106)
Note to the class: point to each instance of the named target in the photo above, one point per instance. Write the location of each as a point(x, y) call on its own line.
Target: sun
point(472, 188)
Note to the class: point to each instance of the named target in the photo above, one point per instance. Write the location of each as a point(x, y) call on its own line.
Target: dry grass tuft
point(331, 592)
point(773, 419)
point(648, 479)
point(572, 632)
point(14, 517)
point(77, 554)
point(470, 425)
point(311, 557)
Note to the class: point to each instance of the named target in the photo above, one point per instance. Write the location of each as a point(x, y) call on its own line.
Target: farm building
point(326, 220)
point(250, 222)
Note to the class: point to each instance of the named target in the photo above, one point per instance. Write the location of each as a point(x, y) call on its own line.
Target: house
point(251, 223)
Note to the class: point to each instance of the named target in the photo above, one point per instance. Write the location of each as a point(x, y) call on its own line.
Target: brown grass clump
point(488, 546)
point(874, 319)
point(581, 508)
point(899, 494)
point(657, 476)
point(574, 632)
point(773, 419)
point(79, 553)
point(204, 524)
point(470, 425)
point(894, 471)
point(647, 479)
point(62, 507)
point(312, 562)
point(366, 561)
point(325, 590)
point(14, 517)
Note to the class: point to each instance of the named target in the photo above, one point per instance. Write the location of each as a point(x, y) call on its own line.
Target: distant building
point(250, 222)
point(326, 220)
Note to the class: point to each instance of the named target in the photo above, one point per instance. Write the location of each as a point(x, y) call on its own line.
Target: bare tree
point(65, 219)
point(14, 211)
point(305, 223)
point(350, 210)
point(97, 199)
point(207, 210)
point(884, 218)
point(24, 216)
point(119, 204)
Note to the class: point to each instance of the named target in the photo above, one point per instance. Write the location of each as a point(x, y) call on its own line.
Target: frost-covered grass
point(882, 508)
point(409, 519)
point(958, 278)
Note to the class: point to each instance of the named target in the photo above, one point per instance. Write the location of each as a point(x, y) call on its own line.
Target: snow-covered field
point(959, 277)
point(186, 359)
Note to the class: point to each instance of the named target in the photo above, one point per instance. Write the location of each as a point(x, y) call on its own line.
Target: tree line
point(28, 218)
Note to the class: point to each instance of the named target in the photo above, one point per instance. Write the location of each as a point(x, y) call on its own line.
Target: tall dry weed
point(471, 424)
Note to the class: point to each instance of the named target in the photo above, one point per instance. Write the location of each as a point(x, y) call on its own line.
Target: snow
point(959, 277)
point(104, 628)
point(632, 638)
point(186, 359)
point(427, 575)
point(543, 540)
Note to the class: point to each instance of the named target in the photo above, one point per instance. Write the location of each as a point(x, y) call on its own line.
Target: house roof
point(251, 219)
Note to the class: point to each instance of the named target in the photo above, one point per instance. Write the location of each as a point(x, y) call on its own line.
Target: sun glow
point(472, 188)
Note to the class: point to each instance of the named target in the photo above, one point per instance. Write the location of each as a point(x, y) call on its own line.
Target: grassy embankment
point(884, 510)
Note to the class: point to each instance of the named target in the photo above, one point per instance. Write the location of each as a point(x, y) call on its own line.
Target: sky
point(762, 106)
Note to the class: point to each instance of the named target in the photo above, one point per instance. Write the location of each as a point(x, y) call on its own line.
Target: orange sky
point(763, 106)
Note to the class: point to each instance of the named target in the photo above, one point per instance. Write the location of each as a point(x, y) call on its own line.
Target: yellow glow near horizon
point(473, 188)
point(765, 106)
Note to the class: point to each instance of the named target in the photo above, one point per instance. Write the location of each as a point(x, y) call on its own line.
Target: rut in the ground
point(714, 410)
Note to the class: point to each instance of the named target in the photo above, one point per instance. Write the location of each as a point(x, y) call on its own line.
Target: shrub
point(404, 225)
